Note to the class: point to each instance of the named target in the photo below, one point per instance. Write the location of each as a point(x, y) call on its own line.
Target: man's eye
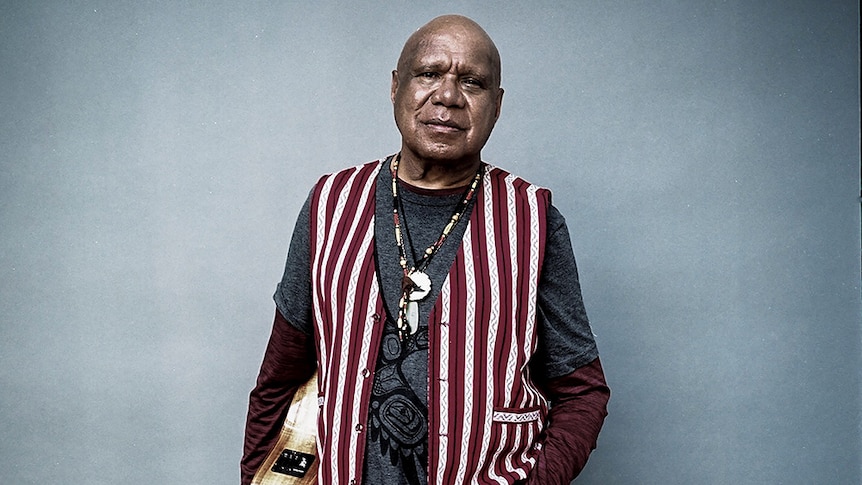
point(429, 75)
point(473, 82)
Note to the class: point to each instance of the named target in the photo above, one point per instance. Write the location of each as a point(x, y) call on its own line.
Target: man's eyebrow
point(477, 74)
point(440, 65)
point(428, 65)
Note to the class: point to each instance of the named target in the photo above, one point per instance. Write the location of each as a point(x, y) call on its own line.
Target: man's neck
point(437, 175)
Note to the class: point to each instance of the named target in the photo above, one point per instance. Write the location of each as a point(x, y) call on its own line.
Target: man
point(438, 297)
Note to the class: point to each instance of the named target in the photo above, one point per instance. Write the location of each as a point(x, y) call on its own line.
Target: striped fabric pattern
point(489, 415)
point(485, 415)
point(348, 316)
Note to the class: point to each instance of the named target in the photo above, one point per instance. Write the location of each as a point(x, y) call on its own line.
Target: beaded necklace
point(415, 283)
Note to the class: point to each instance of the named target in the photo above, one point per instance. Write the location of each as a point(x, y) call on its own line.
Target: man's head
point(446, 91)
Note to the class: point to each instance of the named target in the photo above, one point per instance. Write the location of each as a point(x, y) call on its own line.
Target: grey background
point(153, 157)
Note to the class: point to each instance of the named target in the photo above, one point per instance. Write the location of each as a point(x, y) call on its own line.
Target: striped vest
point(485, 414)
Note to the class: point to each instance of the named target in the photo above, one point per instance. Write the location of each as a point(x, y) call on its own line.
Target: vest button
point(366, 373)
point(358, 428)
point(376, 317)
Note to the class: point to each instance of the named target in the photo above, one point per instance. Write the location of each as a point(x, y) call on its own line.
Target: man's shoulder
point(347, 176)
point(366, 167)
point(501, 177)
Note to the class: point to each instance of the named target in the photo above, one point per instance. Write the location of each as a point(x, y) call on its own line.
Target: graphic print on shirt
point(398, 418)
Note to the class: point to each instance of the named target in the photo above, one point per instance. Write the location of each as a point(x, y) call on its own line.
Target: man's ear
point(499, 103)
point(394, 87)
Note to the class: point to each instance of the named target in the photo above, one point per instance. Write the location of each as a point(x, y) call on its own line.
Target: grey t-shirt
point(396, 445)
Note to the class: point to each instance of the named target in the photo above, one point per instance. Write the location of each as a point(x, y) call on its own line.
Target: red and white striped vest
point(485, 414)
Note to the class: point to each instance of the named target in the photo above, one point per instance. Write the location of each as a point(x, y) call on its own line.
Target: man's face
point(446, 96)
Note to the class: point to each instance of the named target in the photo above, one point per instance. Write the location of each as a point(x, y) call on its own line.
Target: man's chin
point(444, 153)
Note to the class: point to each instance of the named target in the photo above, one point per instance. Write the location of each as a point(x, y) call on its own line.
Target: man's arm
point(566, 364)
point(289, 362)
point(578, 409)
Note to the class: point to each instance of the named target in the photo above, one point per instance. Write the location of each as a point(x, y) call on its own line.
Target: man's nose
point(448, 92)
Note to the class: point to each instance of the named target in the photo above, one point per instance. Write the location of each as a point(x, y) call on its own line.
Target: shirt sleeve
point(565, 339)
point(293, 294)
point(578, 410)
point(566, 364)
point(288, 363)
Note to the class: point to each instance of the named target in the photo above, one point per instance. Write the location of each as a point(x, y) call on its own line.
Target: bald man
point(437, 297)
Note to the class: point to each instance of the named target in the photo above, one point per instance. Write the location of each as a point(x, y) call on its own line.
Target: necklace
point(415, 283)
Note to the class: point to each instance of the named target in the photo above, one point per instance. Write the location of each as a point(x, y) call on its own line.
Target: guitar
point(293, 459)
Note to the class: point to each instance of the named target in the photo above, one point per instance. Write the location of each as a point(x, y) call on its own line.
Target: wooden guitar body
point(293, 460)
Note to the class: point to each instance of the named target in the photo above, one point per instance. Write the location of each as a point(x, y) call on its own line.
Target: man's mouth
point(444, 125)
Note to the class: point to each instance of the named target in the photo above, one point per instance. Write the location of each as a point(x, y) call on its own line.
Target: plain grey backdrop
point(154, 155)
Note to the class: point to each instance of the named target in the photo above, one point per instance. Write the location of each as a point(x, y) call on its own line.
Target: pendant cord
point(408, 285)
point(406, 230)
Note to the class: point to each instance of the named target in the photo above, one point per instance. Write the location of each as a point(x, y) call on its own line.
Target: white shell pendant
point(413, 316)
point(421, 285)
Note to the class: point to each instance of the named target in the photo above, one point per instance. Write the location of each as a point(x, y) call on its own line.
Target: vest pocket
point(515, 434)
point(513, 415)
